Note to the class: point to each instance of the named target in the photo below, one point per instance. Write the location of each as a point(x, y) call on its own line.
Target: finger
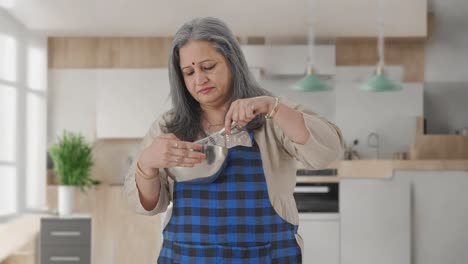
point(172, 160)
point(241, 119)
point(250, 113)
point(179, 159)
point(242, 124)
point(188, 165)
point(186, 145)
point(173, 144)
point(178, 144)
point(187, 153)
point(235, 114)
point(176, 161)
point(241, 113)
point(169, 136)
point(228, 121)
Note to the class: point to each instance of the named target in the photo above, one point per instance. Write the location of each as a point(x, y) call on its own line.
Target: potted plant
point(73, 159)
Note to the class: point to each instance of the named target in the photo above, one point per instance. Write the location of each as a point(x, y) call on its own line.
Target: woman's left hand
point(242, 111)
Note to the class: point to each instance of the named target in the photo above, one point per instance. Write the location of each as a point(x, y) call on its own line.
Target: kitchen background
point(99, 68)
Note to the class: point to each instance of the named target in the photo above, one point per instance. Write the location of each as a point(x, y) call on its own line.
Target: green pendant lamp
point(380, 82)
point(311, 82)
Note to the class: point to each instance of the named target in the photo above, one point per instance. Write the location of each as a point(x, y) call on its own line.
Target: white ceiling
point(245, 17)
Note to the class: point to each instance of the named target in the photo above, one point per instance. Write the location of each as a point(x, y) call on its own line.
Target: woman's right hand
point(168, 151)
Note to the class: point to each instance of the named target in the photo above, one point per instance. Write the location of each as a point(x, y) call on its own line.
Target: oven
point(317, 197)
point(317, 191)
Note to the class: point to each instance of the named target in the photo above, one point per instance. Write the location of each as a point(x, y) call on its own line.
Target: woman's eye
point(209, 67)
point(189, 73)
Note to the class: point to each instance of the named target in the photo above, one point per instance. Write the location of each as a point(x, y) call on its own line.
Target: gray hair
point(185, 114)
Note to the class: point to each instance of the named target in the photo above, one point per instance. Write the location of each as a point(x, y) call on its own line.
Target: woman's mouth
point(206, 90)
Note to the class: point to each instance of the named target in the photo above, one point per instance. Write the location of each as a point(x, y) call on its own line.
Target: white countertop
point(319, 216)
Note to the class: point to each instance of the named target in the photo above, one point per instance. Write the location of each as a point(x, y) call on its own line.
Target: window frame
point(24, 42)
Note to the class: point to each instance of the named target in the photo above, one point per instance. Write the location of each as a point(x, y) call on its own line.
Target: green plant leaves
point(73, 160)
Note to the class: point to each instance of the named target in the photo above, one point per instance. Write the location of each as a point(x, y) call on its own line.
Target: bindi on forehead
point(193, 62)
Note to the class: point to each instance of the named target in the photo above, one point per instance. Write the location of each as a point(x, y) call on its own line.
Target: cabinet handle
point(60, 258)
point(65, 233)
point(312, 189)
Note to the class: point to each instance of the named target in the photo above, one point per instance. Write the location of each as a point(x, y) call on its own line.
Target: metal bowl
point(205, 172)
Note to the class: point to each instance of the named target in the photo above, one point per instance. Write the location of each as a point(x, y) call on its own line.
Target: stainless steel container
point(205, 172)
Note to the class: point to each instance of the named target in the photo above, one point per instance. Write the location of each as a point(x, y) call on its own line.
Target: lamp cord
point(311, 37)
point(381, 39)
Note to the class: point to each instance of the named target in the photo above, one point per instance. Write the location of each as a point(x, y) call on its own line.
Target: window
point(8, 184)
point(7, 3)
point(8, 126)
point(8, 206)
point(23, 93)
point(35, 151)
point(37, 65)
point(8, 57)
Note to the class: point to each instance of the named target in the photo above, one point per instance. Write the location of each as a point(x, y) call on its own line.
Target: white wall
point(447, 49)
point(445, 107)
point(447, 68)
point(392, 115)
point(323, 103)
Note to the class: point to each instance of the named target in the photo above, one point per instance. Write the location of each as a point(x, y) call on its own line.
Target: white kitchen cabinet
point(439, 215)
point(321, 235)
point(71, 103)
point(375, 221)
point(129, 100)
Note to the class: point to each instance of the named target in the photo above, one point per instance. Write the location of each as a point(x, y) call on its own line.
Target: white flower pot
point(66, 199)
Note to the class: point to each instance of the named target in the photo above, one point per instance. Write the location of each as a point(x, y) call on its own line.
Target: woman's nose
point(200, 78)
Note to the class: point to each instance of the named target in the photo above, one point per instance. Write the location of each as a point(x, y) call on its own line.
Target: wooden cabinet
point(321, 235)
point(120, 236)
point(437, 147)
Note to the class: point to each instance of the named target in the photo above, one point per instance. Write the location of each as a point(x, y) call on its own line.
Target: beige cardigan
point(278, 154)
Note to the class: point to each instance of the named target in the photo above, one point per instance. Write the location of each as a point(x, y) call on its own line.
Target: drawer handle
point(65, 233)
point(59, 258)
point(312, 189)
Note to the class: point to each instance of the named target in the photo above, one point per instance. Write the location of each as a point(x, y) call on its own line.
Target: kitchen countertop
point(383, 168)
point(375, 169)
point(17, 233)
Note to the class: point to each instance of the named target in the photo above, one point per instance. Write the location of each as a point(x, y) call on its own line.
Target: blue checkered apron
point(230, 220)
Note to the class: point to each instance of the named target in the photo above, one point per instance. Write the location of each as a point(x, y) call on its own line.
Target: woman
point(248, 215)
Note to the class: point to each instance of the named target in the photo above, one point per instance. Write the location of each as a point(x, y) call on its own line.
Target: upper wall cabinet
point(358, 18)
point(128, 101)
point(289, 59)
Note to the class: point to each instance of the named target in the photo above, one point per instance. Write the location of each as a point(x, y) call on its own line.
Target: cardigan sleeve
point(325, 143)
point(130, 188)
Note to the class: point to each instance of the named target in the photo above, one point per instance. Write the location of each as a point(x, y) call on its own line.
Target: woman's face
point(206, 73)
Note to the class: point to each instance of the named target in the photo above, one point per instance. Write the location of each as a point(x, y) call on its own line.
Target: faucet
point(373, 142)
